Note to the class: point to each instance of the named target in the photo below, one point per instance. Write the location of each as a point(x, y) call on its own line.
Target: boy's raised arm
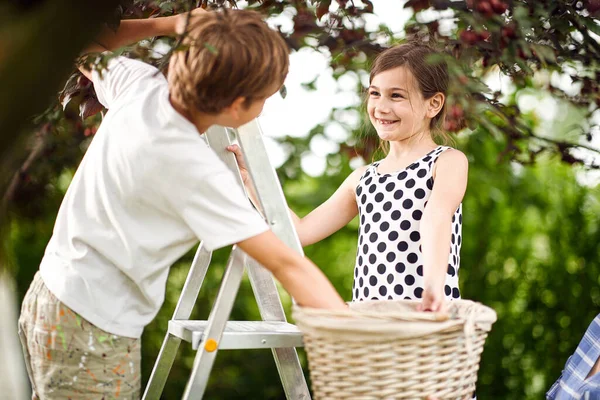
point(133, 30)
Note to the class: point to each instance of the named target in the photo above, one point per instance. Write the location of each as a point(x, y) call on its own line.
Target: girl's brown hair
point(430, 73)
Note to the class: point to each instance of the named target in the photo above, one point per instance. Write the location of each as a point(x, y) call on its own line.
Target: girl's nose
point(382, 109)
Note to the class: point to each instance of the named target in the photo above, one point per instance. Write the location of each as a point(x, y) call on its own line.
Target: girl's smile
point(386, 122)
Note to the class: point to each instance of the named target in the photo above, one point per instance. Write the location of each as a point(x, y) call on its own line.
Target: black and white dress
point(389, 262)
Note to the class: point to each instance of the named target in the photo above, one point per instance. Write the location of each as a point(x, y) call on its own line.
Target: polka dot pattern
point(389, 261)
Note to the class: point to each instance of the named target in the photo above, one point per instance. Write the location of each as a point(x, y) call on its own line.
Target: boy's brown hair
point(226, 55)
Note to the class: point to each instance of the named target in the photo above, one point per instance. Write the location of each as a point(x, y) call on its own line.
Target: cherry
point(593, 6)
point(451, 125)
point(499, 6)
point(485, 8)
point(456, 111)
point(483, 35)
point(509, 31)
point(469, 37)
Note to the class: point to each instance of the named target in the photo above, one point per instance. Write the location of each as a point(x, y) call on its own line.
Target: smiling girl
point(410, 202)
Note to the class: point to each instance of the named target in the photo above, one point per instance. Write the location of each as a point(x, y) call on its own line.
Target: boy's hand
point(184, 19)
point(239, 157)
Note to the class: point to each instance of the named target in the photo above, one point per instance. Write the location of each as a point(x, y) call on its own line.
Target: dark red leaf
point(89, 106)
point(323, 8)
point(417, 5)
point(368, 6)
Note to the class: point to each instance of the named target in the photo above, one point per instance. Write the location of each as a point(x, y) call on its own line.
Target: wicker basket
point(388, 350)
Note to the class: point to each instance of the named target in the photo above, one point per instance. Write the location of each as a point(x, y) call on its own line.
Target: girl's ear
point(435, 104)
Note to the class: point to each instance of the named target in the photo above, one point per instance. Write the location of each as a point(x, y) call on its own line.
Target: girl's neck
point(415, 145)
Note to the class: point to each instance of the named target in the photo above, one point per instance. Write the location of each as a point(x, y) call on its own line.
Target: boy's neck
point(200, 120)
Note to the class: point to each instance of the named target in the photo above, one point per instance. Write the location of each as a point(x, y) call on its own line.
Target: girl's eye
point(397, 96)
point(373, 93)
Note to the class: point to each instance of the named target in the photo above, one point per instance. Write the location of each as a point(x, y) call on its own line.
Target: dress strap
point(438, 152)
point(370, 171)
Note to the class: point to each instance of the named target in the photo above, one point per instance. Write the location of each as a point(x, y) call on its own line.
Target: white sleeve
point(122, 78)
point(207, 196)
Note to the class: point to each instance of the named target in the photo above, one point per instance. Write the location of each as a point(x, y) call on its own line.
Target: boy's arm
point(300, 277)
point(133, 30)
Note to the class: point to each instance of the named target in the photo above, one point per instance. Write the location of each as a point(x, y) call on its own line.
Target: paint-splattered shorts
point(69, 358)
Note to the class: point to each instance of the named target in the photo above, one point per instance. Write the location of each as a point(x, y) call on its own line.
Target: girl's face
point(396, 107)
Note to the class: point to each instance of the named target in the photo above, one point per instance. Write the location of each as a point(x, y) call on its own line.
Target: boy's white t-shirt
point(147, 189)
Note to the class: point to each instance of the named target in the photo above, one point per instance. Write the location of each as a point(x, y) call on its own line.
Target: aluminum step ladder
point(218, 333)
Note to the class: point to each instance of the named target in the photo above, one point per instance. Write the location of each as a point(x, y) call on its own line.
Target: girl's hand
point(433, 300)
point(184, 19)
point(239, 157)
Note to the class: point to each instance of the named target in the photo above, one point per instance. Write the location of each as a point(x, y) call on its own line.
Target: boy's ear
point(235, 107)
point(435, 104)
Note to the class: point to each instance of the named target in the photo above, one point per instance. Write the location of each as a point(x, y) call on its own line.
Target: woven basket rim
point(396, 323)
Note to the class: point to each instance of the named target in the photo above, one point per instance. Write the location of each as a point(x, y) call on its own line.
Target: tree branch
point(38, 148)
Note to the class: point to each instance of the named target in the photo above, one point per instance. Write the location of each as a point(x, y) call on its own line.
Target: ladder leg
point(217, 320)
point(286, 359)
point(162, 367)
point(168, 350)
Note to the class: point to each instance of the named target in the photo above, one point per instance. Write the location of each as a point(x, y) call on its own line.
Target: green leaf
point(544, 53)
point(211, 48)
point(591, 24)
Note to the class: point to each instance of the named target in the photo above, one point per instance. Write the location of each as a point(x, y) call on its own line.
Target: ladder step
point(241, 334)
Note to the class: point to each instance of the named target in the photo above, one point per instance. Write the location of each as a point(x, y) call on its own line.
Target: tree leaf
point(89, 106)
point(323, 8)
point(544, 53)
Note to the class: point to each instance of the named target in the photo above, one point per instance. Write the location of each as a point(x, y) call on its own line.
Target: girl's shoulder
point(352, 180)
point(359, 173)
point(450, 156)
point(451, 159)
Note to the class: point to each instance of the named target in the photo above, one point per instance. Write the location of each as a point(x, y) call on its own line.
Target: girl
point(409, 203)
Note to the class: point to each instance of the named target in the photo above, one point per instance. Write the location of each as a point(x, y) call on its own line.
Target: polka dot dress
point(389, 262)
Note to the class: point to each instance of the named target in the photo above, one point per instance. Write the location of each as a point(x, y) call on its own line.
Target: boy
point(147, 189)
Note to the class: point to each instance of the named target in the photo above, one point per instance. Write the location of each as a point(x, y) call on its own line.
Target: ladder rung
point(241, 334)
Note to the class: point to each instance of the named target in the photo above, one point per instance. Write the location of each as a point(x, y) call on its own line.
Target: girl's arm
point(335, 213)
point(436, 225)
point(328, 218)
